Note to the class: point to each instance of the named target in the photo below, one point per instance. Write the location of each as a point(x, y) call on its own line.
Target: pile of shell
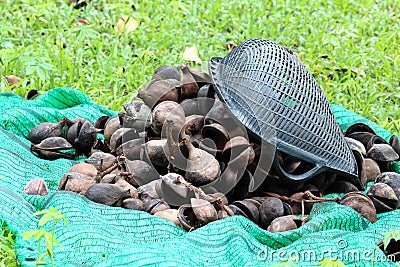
point(65, 139)
point(180, 155)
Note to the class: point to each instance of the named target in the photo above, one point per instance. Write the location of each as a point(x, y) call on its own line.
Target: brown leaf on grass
point(192, 54)
point(12, 80)
point(81, 22)
point(230, 45)
point(126, 24)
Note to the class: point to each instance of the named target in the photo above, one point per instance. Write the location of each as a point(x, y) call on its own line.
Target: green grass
point(352, 48)
point(7, 242)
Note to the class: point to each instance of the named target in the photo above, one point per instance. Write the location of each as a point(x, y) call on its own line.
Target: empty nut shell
point(203, 210)
point(392, 179)
point(169, 214)
point(36, 186)
point(382, 152)
point(270, 209)
point(360, 203)
point(84, 168)
point(107, 194)
point(284, 223)
point(133, 204)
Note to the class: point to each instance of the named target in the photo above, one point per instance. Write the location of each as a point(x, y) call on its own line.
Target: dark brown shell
point(159, 91)
point(356, 145)
point(127, 186)
point(101, 122)
point(203, 210)
point(76, 182)
point(382, 152)
point(249, 208)
point(187, 218)
point(133, 204)
point(193, 124)
point(86, 138)
point(139, 115)
point(371, 169)
point(200, 77)
point(141, 171)
point(111, 126)
point(166, 72)
point(153, 152)
point(284, 223)
point(101, 160)
point(395, 143)
point(174, 192)
point(190, 107)
point(169, 214)
point(202, 167)
point(46, 130)
point(359, 127)
point(383, 197)
point(205, 99)
point(360, 203)
point(342, 187)
point(270, 209)
point(167, 110)
point(84, 168)
point(190, 88)
point(121, 136)
point(151, 189)
point(130, 149)
point(362, 137)
point(393, 180)
point(217, 133)
point(107, 194)
point(376, 139)
point(53, 144)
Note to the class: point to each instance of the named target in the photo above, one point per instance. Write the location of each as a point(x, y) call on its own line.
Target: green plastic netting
point(98, 235)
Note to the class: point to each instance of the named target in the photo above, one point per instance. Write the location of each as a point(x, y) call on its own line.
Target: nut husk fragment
point(76, 182)
point(383, 197)
point(133, 204)
point(84, 168)
point(107, 194)
point(393, 180)
point(360, 203)
point(270, 209)
point(284, 223)
point(382, 152)
point(169, 214)
point(46, 130)
point(203, 210)
point(159, 91)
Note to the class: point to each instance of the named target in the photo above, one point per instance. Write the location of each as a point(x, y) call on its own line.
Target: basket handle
point(296, 177)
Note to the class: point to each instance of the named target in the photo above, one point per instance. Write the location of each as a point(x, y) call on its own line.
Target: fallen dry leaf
point(82, 22)
point(230, 45)
point(192, 54)
point(126, 24)
point(12, 80)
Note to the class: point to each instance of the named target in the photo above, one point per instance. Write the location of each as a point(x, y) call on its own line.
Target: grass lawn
point(351, 47)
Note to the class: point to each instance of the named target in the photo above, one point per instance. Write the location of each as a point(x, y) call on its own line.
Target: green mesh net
point(98, 235)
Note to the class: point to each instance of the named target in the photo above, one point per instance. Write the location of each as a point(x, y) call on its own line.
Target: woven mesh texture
point(98, 235)
point(268, 89)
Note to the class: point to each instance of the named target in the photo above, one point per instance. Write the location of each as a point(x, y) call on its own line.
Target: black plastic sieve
point(271, 92)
